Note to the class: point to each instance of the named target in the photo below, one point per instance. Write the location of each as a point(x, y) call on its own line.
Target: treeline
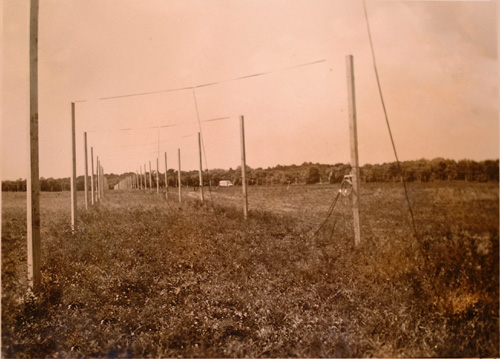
point(423, 170)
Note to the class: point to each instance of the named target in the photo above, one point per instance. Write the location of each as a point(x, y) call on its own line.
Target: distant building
point(225, 183)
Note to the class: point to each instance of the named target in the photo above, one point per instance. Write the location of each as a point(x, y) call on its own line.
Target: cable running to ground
point(330, 212)
point(387, 121)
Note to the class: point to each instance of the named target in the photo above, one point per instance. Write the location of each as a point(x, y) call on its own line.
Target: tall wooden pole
point(103, 181)
point(99, 184)
point(243, 168)
point(92, 190)
point(179, 175)
point(166, 177)
point(353, 131)
point(150, 178)
point(85, 180)
point(33, 181)
point(73, 169)
point(157, 176)
point(201, 169)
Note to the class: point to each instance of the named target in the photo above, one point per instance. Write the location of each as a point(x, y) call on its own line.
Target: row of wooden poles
point(139, 179)
point(33, 180)
point(96, 186)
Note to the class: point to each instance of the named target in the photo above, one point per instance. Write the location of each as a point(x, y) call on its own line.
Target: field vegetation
point(144, 277)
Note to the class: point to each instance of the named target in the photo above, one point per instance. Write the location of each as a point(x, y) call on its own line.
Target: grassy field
point(144, 277)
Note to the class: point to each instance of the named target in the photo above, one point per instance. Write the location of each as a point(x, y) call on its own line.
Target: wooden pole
point(92, 178)
point(166, 177)
point(157, 176)
point(201, 169)
point(73, 169)
point(103, 181)
point(99, 184)
point(33, 180)
point(354, 148)
point(179, 175)
point(243, 168)
point(150, 178)
point(145, 178)
point(85, 180)
point(140, 178)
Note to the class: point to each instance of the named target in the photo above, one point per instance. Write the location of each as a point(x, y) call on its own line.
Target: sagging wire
point(212, 83)
point(388, 125)
point(417, 237)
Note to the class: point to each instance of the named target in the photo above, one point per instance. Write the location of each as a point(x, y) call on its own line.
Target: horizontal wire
point(131, 155)
point(136, 144)
point(211, 83)
point(161, 126)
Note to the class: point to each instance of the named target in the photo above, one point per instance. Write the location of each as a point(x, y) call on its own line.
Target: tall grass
point(143, 278)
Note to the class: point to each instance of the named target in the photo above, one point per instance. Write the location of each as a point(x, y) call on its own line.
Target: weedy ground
point(143, 277)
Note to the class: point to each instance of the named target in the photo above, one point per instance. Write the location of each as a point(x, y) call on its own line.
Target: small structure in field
point(225, 183)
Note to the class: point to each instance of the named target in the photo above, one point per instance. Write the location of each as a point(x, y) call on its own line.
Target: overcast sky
point(437, 63)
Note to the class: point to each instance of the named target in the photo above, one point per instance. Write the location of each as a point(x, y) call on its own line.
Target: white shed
point(225, 183)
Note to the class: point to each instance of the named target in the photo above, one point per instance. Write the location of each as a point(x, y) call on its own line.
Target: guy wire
point(387, 122)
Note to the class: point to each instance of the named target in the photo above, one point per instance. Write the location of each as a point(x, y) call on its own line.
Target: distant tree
point(491, 170)
point(216, 175)
point(451, 170)
point(438, 167)
point(277, 177)
point(260, 176)
point(393, 173)
point(313, 175)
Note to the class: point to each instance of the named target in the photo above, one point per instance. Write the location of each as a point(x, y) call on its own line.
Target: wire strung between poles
point(212, 83)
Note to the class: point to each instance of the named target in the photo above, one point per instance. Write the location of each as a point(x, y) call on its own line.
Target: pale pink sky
point(437, 60)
